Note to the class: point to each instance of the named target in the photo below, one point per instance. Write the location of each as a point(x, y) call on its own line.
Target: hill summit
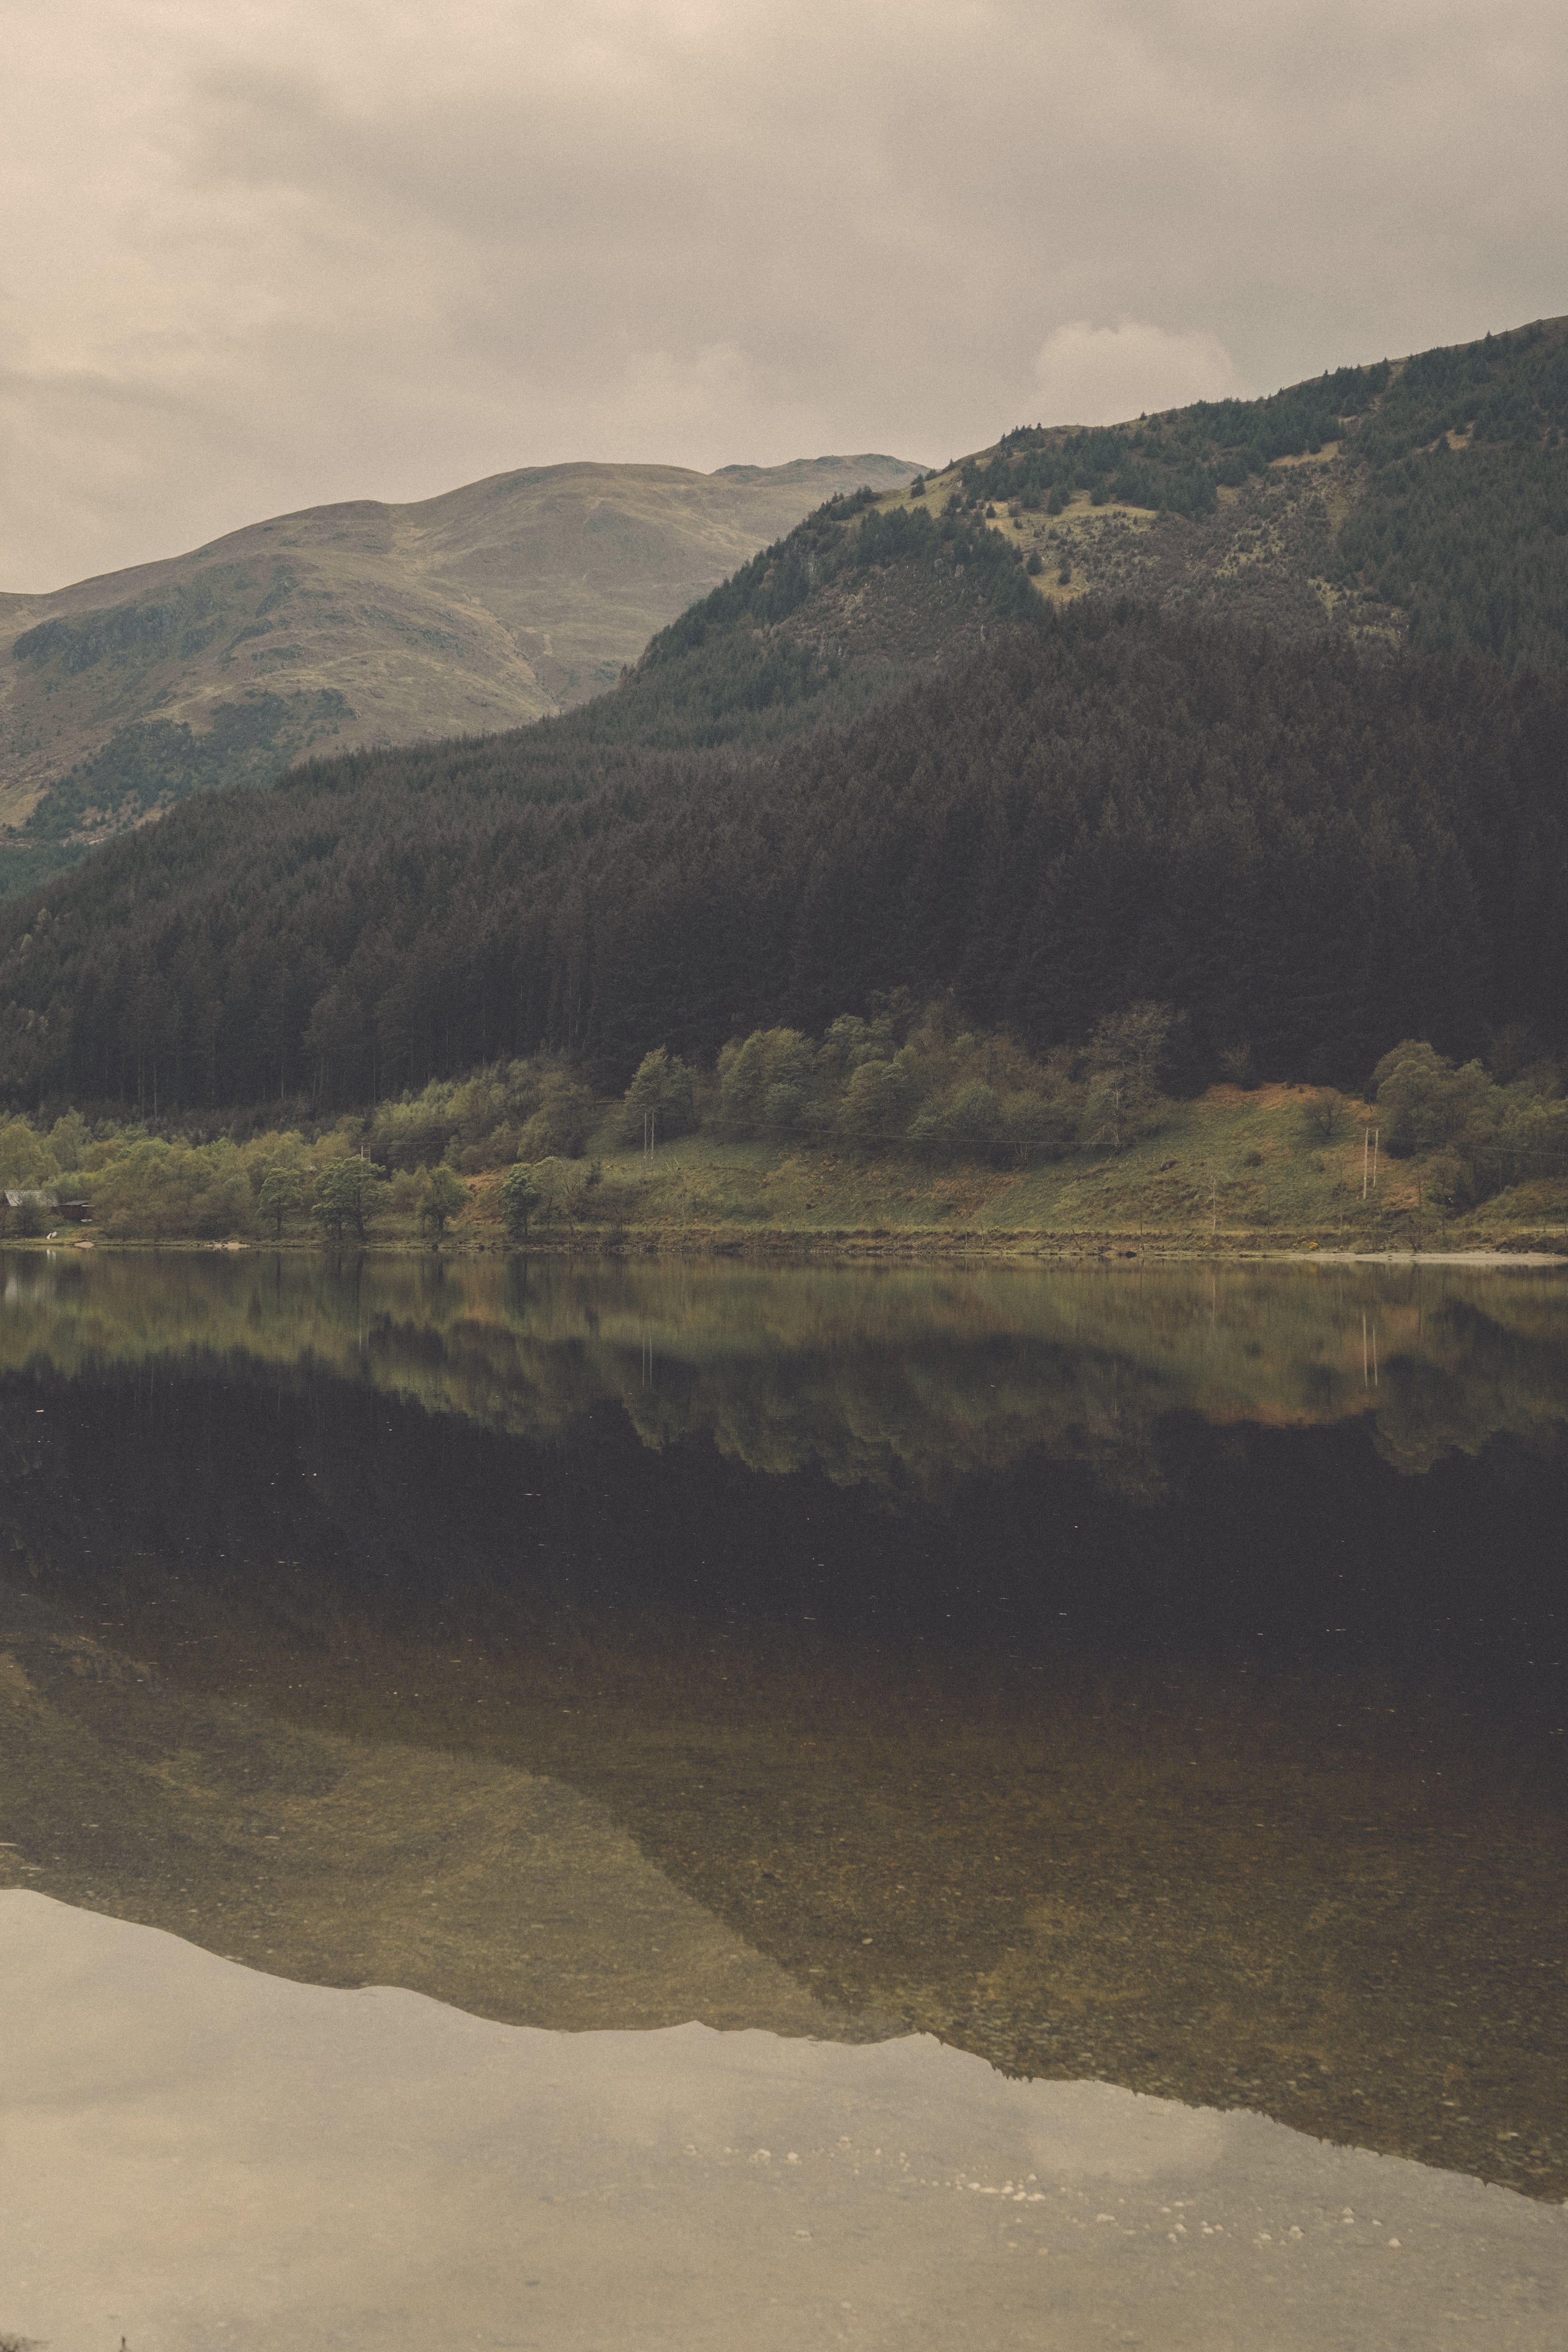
point(356, 624)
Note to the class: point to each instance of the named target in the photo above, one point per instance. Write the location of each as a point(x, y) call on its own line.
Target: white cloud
point(1101, 375)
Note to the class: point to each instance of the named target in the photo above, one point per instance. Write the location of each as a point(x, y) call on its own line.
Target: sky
point(265, 254)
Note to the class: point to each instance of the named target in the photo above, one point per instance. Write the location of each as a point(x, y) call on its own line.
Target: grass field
point(1230, 1168)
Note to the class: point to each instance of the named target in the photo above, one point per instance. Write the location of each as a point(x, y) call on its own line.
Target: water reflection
point(895, 1375)
point(1114, 1674)
point(375, 2170)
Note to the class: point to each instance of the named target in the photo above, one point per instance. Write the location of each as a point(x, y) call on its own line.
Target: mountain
point(1422, 502)
point(1418, 504)
point(357, 624)
point(1299, 770)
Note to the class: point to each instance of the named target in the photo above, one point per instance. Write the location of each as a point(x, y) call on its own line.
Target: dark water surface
point(1149, 1676)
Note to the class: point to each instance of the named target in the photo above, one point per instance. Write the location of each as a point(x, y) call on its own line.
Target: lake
point(1119, 1711)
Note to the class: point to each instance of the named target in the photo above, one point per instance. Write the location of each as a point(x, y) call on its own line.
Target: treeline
point(140, 1185)
point(1507, 391)
point(902, 1088)
point(1306, 854)
point(729, 671)
point(1176, 461)
point(926, 1086)
point(147, 767)
point(1478, 1130)
point(848, 535)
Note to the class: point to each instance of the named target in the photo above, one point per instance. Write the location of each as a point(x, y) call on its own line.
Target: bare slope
point(361, 623)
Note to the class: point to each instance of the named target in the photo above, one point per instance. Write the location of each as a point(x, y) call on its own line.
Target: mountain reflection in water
point(1154, 1676)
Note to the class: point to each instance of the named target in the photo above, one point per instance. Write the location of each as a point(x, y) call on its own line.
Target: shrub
point(159, 1190)
point(519, 1200)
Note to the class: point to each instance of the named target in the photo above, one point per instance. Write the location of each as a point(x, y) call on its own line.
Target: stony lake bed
point(984, 1805)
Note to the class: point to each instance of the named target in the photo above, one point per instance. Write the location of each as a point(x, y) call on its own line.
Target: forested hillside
point(1307, 785)
point(1309, 852)
point(355, 623)
point(1423, 502)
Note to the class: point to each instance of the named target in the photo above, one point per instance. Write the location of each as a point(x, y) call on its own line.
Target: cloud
point(291, 250)
point(1103, 375)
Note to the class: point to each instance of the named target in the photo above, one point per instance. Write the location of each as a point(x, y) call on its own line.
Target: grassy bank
point(1232, 1170)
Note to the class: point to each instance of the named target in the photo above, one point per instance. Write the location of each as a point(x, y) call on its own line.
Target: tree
point(520, 1198)
point(24, 1162)
point(348, 1192)
point(442, 1196)
point(872, 1109)
point(159, 1190)
point(68, 1140)
point(29, 1218)
point(661, 1092)
point(764, 1083)
point(975, 1120)
point(1427, 1103)
point(1123, 1058)
point(1327, 1111)
point(559, 1128)
point(282, 1195)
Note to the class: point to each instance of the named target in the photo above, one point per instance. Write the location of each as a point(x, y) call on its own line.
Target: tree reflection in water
point(1119, 1673)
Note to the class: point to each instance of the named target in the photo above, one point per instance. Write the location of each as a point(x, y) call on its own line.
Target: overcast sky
point(257, 254)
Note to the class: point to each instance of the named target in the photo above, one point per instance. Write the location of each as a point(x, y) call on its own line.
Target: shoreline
point(927, 1246)
point(1226, 1174)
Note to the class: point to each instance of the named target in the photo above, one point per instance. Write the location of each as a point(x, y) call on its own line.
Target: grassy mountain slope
point(359, 624)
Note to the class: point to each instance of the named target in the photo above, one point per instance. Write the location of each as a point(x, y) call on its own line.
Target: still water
point(1144, 1678)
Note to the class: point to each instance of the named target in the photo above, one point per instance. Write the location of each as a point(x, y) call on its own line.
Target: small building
point(75, 1212)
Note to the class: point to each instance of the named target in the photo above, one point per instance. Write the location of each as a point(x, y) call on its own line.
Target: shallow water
point(216, 2157)
point(1154, 1677)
